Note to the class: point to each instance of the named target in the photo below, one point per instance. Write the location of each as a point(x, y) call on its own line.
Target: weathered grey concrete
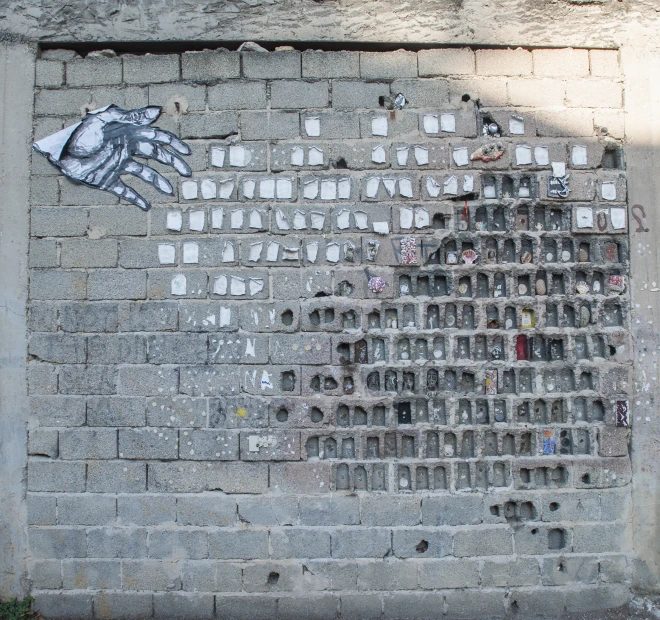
point(16, 84)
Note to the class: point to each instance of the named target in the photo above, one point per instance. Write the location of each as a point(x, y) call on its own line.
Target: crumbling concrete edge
point(16, 90)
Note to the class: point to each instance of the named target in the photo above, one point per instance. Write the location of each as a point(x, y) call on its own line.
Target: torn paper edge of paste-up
point(236, 219)
point(332, 252)
point(249, 186)
point(280, 220)
point(255, 251)
point(299, 220)
point(448, 123)
point(361, 220)
point(166, 253)
point(297, 156)
point(284, 188)
point(228, 253)
point(315, 156)
point(313, 126)
point(431, 125)
point(174, 220)
point(402, 155)
point(255, 219)
point(256, 286)
point(220, 285)
point(190, 253)
point(189, 190)
point(179, 284)
point(272, 251)
point(406, 217)
point(237, 286)
point(432, 187)
point(217, 157)
point(312, 251)
point(343, 219)
point(196, 220)
point(318, 220)
point(372, 186)
point(378, 154)
point(311, 189)
point(208, 189)
point(217, 217)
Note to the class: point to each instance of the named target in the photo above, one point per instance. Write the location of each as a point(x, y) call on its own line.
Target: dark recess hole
point(554, 506)
point(561, 568)
point(287, 317)
point(556, 539)
point(282, 415)
point(465, 97)
point(535, 531)
point(316, 414)
point(321, 294)
point(341, 164)
point(404, 413)
point(381, 101)
point(586, 479)
point(273, 578)
point(422, 546)
point(514, 607)
point(495, 511)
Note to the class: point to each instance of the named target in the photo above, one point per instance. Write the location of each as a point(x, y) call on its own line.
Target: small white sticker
point(217, 157)
point(318, 220)
point(379, 126)
point(311, 189)
point(190, 253)
point(406, 218)
point(361, 220)
point(523, 155)
point(608, 191)
point(272, 251)
point(421, 218)
point(313, 126)
point(451, 186)
point(236, 219)
point(402, 155)
point(378, 154)
point(228, 252)
point(208, 189)
point(432, 187)
point(256, 286)
point(558, 169)
point(196, 220)
point(584, 217)
point(431, 125)
point(217, 217)
point(297, 156)
point(343, 219)
point(220, 285)
point(255, 219)
point(460, 156)
point(299, 220)
point(405, 188)
point(239, 156)
point(516, 126)
point(226, 188)
point(281, 220)
point(179, 284)
point(237, 286)
point(249, 186)
point(579, 155)
point(312, 251)
point(618, 218)
point(255, 251)
point(328, 189)
point(315, 156)
point(189, 190)
point(541, 155)
point(174, 220)
point(332, 252)
point(382, 228)
point(468, 183)
point(284, 188)
point(166, 254)
point(421, 155)
point(267, 188)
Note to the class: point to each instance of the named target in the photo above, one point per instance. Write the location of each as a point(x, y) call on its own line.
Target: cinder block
point(445, 62)
point(91, 575)
point(566, 123)
point(43, 253)
point(41, 509)
point(45, 191)
point(416, 543)
point(183, 606)
point(212, 576)
point(457, 510)
point(599, 538)
point(63, 605)
point(209, 445)
point(58, 410)
point(269, 125)
point(383, 510)
point(334, 125)
point(42, 317)
point(42, 442)
point(158, 443)
point(57, 543)
point(149, 316)
point(238, 96)
point(298, 478)
point(148, 381)
point(78, 444)
point(593, 93)
point(146, 510)
point(298, 94)
point(312, 607)
point(124, 605)
point(210, 65)
point(422, 93)
point(117, 543)
point(483, 541)
point(87, 379)
point(316, 64)
point(336, 510)
point(293, 542)
point(536, 603)
point(604, 63)
point(386, 575)
point(88, 317)
point(243, 607)
point(271, 576)
point(178, 348)
point(46, 574)
point(51, 284)
point(582, 600)
point(177, 545)
point(565, 570)
point(506, 572)
point(384, 65)
point(49, 73)
point(561, 63)
point(59, 348)
point(117, 221)
point(269, 511)
point(75, 194)
point(205, 511)
point(70, 102)
point(151, 575)
point(238, 544)
point(332, 575)
point(352, 95)
point(42, 378)
point(116, 477)
point(115, 284)
point(213, 380)
point(504, 62)
point(93, 72)
point(610, 122)
point(151, 68)
point(367, 606)
point(536, 92)
point(271, 65)
point(361, 543)
point(187, 477)
point(115, 411)
point(178, 98)
point(449, 574)
point(614, 441)
point(116, 349)
point(208, 126)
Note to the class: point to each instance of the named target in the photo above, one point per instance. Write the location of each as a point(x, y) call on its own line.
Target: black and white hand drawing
point(102, 146)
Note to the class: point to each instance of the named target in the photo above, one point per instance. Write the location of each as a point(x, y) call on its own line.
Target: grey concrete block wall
point(273, 435)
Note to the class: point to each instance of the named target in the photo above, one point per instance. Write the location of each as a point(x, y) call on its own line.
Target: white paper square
point(190, 253)
point(523, 155)
point(343, 219)
point(256, 286)
point(312, 251)
point(405, 188)
point(448, 123)
point(236, 219)
point(226, 189)
point(579, 155)
point(541, 155)
point(249, 186)
point(255, 251)
point(402, 155)
point(318, 219)
point(267, 188)
point(618, 218)
point(166, 254)
point(284, 188)
point(489, 190)
point(361, 220)
point(382, 228)
point(313, 126)
point(208, 189)
point(468, 183)
point(311, 189)
point(299, 220)
point(372, 186)
point(378, 154)
point(225, 316)
point(451, 186)
point(290, 253)
point(237, 286)
point(421, 155)
point(344, 189)
point(280, 220)
point(558, 169)
point(460, 156)
point(239, 156)
point(608, 191)
point(406, 218)
point(174, 220)
point(332, 252)
point(432, 187)
point(217, 217)
point(390, 186)
point(228, 254)
point(328, 189)
point(196, 220)
point(220, 285)
point(379, 126)
point(217, 157)
point(584, 217)
point(255, 219)
point(516, 126)
point(297, 156)
point(272, 251)
point(315, 156)
point(431, 123)
point(421, 218)
point(179, 285)
point(189, 190)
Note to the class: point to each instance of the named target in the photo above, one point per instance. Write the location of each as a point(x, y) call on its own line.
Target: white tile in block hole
point(579, 155)
point(272, 251)
point(421, 155)
point(523, 155)
point(451, 186)
point(318, 220)
point(255, 251)
point(608, 191)
point(344, 189)
point(431, 124)
point(405, 188)
point(284, 188)
point(517, 126)
point(312, 251)
point(217, 157)
point(448, 123)
point(541, 155)
point(226, 189)
point(390, 186)
point(237, 286)
point(217, 217)
point(174, 220)
point(378, 154)
point(189, 190)
point(328, 189)
point(315, 156)
point(281, 220)
point(228, 252)
point(179, 284)
point(166, 254)
point(239, 156)
point(297, 156)
point(406, 218)
point(343, 219)
point(618, 218)
point(220, 285)
point(236, 219)
point(432, 187)
point(332, 252)
point(267, 188)
point(196, 220)
point(402, 155)
point(208, 189)
point(248, 188)
point(379, 126)
point(311, 189)
point(255, 219)
point(190, 253)
point(256, 286)
point(313, 126)
point(468, 183)
point(460, 156)
point(299, 220)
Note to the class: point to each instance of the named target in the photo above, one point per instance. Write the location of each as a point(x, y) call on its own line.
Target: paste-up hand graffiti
point(100, 148)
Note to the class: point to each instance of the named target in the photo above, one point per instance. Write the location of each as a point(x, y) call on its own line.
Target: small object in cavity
point(489, 152)
point(376, 284)
point(583, 255)
point(596, 286)
point(541, 288)
point(548, 441)
point(566, 256)
point(582, 288)
point(526, 257)
point(527, 318)
point(491, 382)
point(470, 257)
point(462, 289)
point(399, 102)
point(585, 316)
point(616, 284)
point(372, 249)
point(408, 251)
point(451, 258)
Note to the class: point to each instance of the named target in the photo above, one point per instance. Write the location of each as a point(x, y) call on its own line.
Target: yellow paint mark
point(240, 412)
